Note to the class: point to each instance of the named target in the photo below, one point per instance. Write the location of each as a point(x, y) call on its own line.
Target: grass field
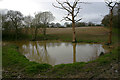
point(83, 34)
point(79, 30)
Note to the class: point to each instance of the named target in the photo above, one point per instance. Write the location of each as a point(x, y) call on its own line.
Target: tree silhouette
point(111, 4)
point(16, 19)
point(73, 11)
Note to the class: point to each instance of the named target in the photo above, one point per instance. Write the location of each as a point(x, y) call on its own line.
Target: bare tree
point(73, 11)
point(16, 18)
point(45, 18)
point(36, 23)
point(28, 22)
point(111, 4)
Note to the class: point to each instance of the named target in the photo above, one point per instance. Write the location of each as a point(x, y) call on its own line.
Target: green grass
point(12, 37)
point(65, 69)
point(14, 61)
point(107, 58)
point(41, 37)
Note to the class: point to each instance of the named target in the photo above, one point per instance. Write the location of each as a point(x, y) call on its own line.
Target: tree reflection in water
point(74, 52)
point(60, 52)
point(36, 52)
point(88, 52)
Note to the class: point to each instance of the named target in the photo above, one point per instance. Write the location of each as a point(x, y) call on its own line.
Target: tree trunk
point(110, 28)
point(16, 36)
point(26, 30)
point(35, 33)
point(44, 30)
point(73, 26)
point(32, 31)
point(46, 53)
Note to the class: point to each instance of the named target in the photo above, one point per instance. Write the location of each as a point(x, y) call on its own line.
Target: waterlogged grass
point(13, 61)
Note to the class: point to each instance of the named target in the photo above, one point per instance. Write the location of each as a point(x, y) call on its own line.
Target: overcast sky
point(93, 12)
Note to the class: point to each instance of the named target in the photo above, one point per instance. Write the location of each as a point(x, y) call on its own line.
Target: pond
point(60, 52)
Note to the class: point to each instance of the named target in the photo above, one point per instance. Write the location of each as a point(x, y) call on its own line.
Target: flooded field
point(60, 52)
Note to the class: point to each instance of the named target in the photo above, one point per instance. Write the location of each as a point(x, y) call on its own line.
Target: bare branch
point(109, 3)
point(70, 9)
point(63, 6)
point(57, 6)
point(114, 5)
point(67, 18)
point(78, 20)
point(68, 4)
point(75, 3)
point(78, 9)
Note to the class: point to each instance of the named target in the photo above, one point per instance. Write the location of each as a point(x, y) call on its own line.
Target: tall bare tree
point(41, 20)
point(45, 18)
point(73, 11)
point(111, 4)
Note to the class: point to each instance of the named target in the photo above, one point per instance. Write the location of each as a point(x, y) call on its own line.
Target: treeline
point(13, 23)
point(81, 24)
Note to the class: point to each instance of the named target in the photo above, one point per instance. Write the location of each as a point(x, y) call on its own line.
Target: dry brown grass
point(86, 34)
point(79, 30)
point(82, 33)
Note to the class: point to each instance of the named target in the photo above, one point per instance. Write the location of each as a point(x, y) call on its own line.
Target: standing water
point(59, 52)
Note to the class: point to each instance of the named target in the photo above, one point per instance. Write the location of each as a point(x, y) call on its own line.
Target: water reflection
point(74, 52)
point(34, 51)
point(58, 53)
point(89, 52)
